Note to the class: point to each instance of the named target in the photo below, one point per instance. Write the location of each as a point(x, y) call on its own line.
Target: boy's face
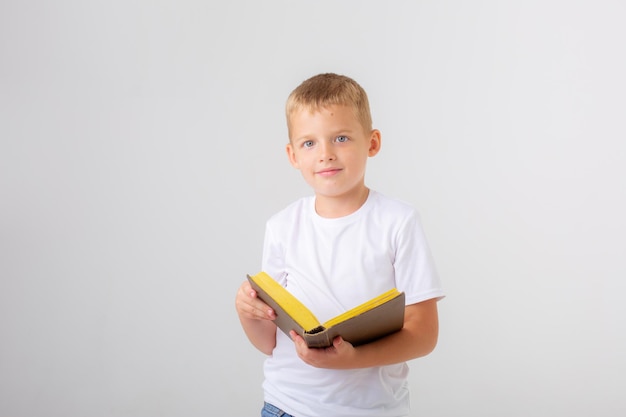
point(330, 148)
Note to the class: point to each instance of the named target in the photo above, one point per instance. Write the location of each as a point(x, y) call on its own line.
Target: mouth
point(328, 172)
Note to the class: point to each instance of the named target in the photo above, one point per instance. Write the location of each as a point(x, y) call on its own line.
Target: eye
point(341, 139)
point(307, 143)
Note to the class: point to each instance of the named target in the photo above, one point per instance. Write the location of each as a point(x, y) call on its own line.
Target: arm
point(256, 319)
point(417, 338)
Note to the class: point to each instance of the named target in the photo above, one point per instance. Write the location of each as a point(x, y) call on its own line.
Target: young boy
point(333, 251)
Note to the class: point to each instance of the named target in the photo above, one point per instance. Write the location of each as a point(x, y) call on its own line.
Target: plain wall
point(142, 150)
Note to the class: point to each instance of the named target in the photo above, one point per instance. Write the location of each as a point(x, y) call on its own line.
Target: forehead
point(334, 113)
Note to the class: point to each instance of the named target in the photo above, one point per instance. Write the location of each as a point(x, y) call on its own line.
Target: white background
point(142, 149)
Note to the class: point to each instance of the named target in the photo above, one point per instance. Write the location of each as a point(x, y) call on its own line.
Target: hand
point(249, 306)
point(338, 356)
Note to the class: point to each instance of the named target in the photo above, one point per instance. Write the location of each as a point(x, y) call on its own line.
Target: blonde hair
point(329, 89)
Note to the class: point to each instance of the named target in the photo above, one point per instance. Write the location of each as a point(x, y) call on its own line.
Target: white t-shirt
point(332, 265)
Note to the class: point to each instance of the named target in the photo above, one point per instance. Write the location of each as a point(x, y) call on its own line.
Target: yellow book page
point(292, 306)
point(366, 306)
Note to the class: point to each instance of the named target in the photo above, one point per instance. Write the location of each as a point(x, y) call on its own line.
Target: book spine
point(317, 340)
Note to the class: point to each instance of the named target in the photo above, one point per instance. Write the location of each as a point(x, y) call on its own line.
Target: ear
point(292, 156)
point(375, 142)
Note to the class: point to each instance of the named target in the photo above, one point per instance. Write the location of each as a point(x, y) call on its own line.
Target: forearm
point(261, 333)
point(417, 338)
point(399, 347)
point(256, 319)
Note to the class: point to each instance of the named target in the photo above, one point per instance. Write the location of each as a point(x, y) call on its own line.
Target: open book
point(371, 320)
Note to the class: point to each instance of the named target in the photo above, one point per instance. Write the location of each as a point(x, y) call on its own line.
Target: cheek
point(357, 161)
point(302, 162)
point(295, 159)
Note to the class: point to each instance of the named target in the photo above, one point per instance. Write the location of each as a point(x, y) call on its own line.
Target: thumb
point(338, 341)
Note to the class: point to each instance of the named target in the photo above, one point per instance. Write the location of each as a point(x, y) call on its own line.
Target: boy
point(333, 251)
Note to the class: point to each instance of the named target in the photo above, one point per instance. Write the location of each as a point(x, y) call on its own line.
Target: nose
point(326, 152)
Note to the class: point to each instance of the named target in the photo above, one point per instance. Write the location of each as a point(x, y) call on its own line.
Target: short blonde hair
point(329, 89)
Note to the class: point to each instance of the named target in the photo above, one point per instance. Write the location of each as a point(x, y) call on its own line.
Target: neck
point(340, 206)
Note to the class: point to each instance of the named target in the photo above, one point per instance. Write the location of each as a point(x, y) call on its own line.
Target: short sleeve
point(273, 261)
point(415, 271)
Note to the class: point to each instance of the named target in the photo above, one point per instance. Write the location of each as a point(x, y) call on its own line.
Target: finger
point(296, 337)
point(262, 311)
point(338, 341)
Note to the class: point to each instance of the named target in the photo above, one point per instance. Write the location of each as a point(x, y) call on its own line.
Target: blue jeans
point(270, 411)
